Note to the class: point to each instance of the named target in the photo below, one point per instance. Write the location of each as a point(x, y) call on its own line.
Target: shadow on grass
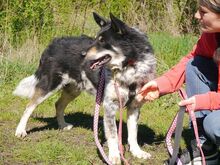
point(146, 135)
point(79, 119)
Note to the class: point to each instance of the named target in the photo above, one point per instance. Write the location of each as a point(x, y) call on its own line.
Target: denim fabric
point(211, 125)
point(202, 77)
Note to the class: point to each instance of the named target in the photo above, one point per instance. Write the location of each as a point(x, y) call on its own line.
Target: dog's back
point(61, 63)
point(61, 66)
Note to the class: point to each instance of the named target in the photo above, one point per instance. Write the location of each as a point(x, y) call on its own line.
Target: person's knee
point(211, 126)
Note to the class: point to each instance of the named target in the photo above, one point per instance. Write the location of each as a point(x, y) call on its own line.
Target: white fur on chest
point(142, 72)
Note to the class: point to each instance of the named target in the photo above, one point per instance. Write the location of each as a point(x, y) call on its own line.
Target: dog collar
point(131, 62)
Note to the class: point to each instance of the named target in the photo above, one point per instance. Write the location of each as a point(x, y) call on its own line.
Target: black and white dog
point(72, 65)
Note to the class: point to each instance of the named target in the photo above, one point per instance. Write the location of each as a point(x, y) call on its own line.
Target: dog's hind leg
point(69, 93)
point(132, 119)
point(38, 97)
point(111, 130)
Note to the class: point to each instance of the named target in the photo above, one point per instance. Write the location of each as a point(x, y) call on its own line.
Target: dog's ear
point(99, 20)
point(117, 25)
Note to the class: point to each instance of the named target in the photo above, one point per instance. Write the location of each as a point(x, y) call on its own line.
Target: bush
point(23, 19)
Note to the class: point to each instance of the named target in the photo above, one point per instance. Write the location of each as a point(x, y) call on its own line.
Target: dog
point(129, 56)
point(73, 64)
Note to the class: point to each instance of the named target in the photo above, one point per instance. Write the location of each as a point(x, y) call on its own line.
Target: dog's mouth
point(95, 64)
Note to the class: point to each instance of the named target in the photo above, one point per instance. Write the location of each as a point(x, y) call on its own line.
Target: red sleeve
point(174, 78)
point(210, 100)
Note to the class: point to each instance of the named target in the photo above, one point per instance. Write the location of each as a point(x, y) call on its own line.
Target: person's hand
point(148, 92)
point(190, 103)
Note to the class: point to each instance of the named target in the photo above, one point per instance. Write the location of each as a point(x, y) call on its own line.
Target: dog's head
point(116, 45)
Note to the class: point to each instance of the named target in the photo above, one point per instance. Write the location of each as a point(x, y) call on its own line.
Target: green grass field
point(46, 144)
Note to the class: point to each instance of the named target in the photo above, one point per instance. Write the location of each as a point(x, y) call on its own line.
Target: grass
point(46, 144)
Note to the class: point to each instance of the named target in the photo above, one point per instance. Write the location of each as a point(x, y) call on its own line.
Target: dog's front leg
point(110, 108)
point(132, 119)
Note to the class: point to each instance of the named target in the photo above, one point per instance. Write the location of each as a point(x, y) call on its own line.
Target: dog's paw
point(115, 159)
point(114, 154)
point(66, 126)
point(140, 154)
point(20, 133)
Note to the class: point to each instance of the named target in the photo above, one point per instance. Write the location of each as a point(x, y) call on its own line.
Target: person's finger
point(186, 102)
point(148, 98)
point(154, 94)
point(190, 103)
point(144, 89)
point(148, 86)
point(139, 97)
point(151, 96)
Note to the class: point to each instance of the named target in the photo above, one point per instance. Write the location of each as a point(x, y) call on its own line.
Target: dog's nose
point(83, 53)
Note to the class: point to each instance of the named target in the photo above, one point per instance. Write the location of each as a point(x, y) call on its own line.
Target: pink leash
point(121, 148)
point(195, 127)
point(171, 130)
point(99, 97)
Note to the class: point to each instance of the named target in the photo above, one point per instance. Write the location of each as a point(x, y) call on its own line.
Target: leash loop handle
point(183, 95)
point(172, 128)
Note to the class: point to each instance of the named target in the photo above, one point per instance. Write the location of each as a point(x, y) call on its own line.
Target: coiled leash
point(177, 126)
point(99, 97)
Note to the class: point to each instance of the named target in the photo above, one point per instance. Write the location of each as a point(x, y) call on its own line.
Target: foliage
point(23, 19)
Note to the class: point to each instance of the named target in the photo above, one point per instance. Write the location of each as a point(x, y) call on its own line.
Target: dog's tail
point(26, 87)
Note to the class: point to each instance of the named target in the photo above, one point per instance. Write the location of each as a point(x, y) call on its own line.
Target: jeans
point(202, 77)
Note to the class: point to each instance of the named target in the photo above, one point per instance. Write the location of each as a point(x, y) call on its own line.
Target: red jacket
point(173, 79)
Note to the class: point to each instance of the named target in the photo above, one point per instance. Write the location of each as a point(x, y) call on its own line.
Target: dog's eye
point(101, 39)
point(83, 53)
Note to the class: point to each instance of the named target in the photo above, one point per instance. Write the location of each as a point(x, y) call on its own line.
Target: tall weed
point(21, 20)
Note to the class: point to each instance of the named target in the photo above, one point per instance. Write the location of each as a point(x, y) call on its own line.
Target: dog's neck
point(129, 62)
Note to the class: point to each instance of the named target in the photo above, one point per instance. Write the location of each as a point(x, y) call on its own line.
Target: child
point(200, 71)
